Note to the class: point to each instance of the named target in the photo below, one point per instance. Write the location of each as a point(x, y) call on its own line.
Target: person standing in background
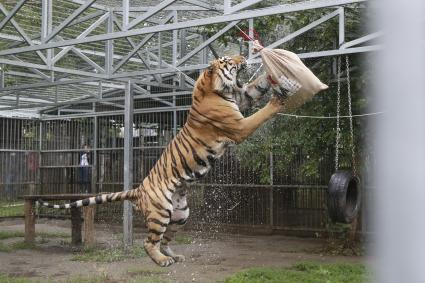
point(85, 177)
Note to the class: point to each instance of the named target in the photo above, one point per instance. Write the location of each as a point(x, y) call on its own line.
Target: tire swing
point(344, 193)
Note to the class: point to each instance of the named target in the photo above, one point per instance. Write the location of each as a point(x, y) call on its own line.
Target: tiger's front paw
point(165, 261)
point(285, 87)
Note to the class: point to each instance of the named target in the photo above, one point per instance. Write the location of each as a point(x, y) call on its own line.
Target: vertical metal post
point(109, 48)
point(128, 164)
point(341, 26)
point(46, 26)
point(94, 155)
point(271, 189)
point(40, 148)
point(204, 56)
point(182, 53)
point(227, 4)
point(179, 76)
point(125, 14)
point(2, 76)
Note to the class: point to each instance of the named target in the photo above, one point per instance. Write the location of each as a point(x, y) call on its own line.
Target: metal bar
point(88, 60)
point(47, 84)
point(82, 35)
point(9, 15)
point(150, 13)
point(227, 6)
point(164, 85)
point(341, 26)
point(137, 47)
point(120, 112)
point(94, 148)
point(207, 42)
point(128, 165)
point(242, 5)
point(301, 31)
point(52, 68)
point(68, 20)
point(2, 79)
point(205, 5)
point(188, 79)
point(361, 39)
point(96, 6)
point(109, 47)
point(22, 33)
point(75, 22)
point(125, 14)
point(169, 8)
point(279, 9)
point(46, 25)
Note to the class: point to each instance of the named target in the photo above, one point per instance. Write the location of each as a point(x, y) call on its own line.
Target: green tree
point(290, 137)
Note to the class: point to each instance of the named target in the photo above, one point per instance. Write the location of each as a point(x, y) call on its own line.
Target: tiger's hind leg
point(157, 222)
point(178, 220)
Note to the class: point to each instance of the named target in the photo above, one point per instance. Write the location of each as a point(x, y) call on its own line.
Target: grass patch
point(183, 239)
point(305, 272)
point(20, 234)
point(98, 254)
point(4, 278)
point(11, 234)
point(143, 271)
point(11, 209)
point(17, 246)
point(4, 248)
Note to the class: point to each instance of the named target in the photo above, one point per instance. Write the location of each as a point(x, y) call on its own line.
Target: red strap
point(271, 80)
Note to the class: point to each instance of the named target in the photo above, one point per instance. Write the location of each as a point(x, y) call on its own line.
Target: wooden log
point(76, 226)
point(88, 234)
point(29, 221)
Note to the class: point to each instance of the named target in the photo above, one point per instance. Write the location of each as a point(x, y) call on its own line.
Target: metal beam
point(150, 13)
point(242, 5)
point(47, 68)
point(9, 16)
point(128, 164)
point(280, 9)
point(169, 8)
point(204, 4)
point(22, 33)
point(362, 39)
point(68, 20)
point(137, 47)
point(207, 42)
point(81, 35)
point(301, 31)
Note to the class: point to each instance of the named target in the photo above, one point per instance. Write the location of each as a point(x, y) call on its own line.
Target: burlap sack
point(278, 62)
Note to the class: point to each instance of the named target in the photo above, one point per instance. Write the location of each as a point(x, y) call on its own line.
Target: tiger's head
point(224, 73)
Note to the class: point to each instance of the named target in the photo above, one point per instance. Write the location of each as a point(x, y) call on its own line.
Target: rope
point(331, 117)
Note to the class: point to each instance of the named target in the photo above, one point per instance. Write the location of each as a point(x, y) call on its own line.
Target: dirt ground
point(209, 257)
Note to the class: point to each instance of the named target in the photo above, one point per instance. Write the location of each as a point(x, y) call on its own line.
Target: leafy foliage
point(314, 139)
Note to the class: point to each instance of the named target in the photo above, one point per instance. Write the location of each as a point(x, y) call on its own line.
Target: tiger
point(214, 122)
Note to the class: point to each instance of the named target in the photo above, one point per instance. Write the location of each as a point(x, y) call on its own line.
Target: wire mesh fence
point(86, 155)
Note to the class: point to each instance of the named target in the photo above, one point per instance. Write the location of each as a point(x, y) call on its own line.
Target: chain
point(338, 110)
point(353, 154)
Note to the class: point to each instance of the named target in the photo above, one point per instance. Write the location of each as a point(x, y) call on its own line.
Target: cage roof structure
point(74, 57)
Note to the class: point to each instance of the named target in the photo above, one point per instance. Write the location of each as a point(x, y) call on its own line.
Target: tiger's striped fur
point(214, 122)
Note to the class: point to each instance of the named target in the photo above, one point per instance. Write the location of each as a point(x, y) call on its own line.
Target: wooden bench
point(76, 220)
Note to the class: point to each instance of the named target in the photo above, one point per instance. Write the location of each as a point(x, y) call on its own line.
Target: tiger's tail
point(99, 199)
